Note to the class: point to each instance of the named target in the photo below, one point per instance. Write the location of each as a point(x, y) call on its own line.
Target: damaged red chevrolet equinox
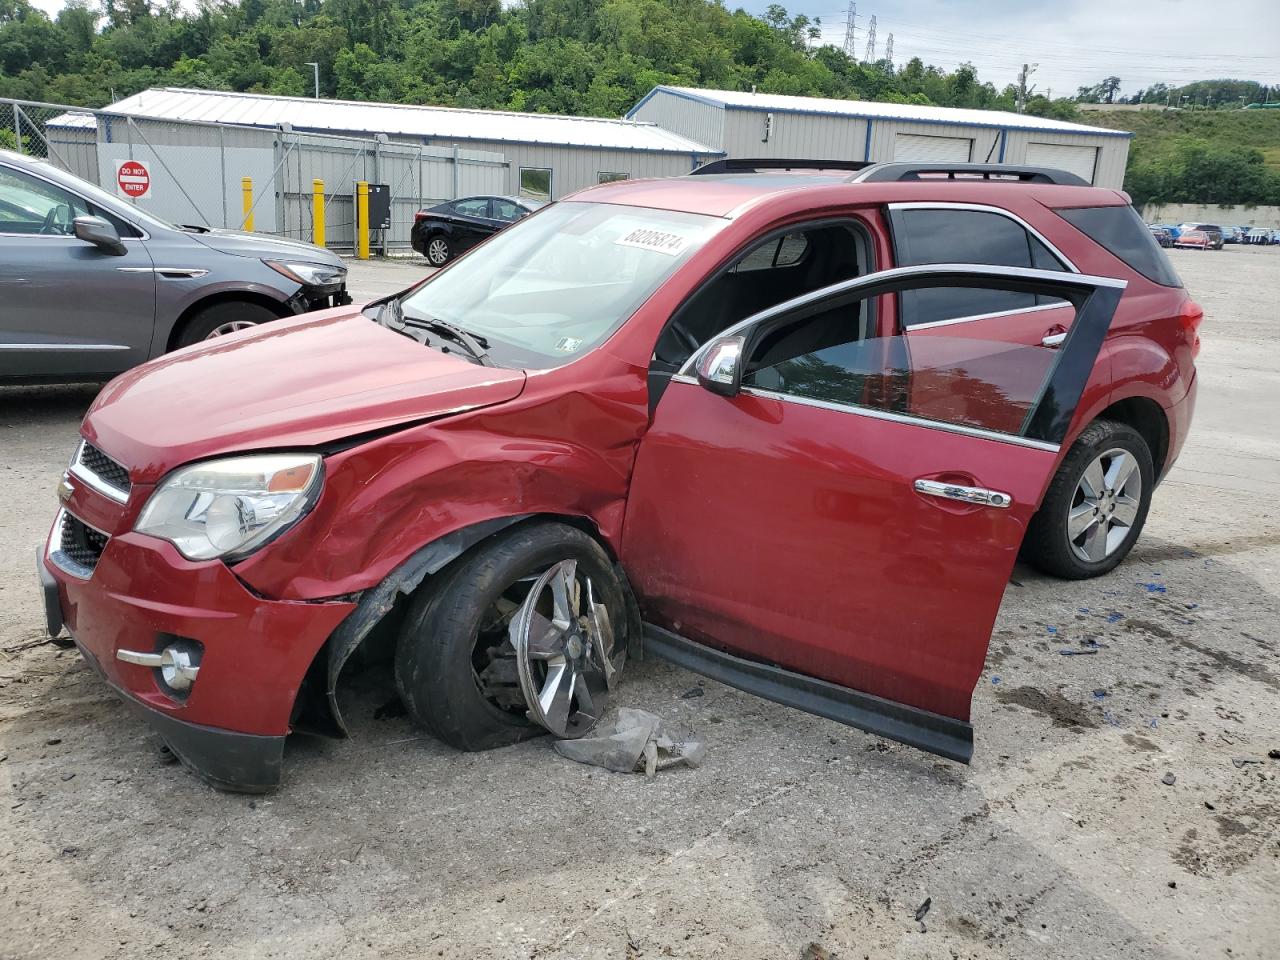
point(788, 428)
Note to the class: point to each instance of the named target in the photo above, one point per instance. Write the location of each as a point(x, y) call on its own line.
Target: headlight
point(309, 274)
point(230, 508)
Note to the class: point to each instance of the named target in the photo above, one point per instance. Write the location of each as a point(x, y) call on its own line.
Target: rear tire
point(214, 321)
point(1105, 522)
point(450, 632)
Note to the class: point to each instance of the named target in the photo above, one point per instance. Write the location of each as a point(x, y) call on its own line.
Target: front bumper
point(141, 595)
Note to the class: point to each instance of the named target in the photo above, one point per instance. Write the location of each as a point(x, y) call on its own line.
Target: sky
point(1075, 42)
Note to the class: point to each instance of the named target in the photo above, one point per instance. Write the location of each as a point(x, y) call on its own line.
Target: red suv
point(788, 429)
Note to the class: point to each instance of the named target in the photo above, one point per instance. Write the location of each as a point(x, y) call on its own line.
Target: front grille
point(81, 544)
point(107, 470)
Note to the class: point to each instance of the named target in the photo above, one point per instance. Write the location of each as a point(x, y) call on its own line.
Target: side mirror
point(720, 366)
point(100, 233)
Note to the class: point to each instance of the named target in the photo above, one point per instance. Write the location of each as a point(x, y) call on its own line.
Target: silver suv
point(91, 285)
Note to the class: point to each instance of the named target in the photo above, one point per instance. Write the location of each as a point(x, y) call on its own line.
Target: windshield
point(550, 288)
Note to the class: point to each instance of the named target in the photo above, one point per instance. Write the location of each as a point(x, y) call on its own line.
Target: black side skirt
point(945, 736)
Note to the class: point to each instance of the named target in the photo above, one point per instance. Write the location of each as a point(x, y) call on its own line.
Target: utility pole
point(870, 55)
point(888, 49)
point(851, 32)
point(316, 69)
point(1027, 70)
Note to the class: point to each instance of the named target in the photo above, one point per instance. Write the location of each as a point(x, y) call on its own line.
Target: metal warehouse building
point(543, 152)
point(773, 125)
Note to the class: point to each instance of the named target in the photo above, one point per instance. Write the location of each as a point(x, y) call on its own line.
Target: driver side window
point(784, 265)
point(36, 207)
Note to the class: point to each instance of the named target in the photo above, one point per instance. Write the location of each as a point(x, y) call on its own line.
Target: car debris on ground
point(638, 743)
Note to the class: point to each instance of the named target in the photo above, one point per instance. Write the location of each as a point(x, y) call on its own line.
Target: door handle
point(1053, 340)
point(953, 491)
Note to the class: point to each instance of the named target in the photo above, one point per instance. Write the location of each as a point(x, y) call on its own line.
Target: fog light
point(178, 663)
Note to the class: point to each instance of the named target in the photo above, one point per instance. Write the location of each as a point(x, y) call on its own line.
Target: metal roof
point(393, 119)
point(866, 109)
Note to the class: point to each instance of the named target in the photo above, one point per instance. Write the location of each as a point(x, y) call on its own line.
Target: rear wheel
point(223, 318)
point(439, 250)
point(531, 626)
point(1096, 505)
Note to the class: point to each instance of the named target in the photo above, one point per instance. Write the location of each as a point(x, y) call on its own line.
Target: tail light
point(420, 216)
point(1191, 316)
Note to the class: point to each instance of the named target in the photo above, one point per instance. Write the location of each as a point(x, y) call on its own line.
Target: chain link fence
point(242, 177)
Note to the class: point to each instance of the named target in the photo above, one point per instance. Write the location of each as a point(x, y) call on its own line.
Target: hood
point(292, 383)
point(259, 245)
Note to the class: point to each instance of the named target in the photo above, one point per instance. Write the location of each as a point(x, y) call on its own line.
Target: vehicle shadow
point(40, 405)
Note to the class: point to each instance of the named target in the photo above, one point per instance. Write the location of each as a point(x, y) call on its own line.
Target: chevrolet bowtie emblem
point(65, 489)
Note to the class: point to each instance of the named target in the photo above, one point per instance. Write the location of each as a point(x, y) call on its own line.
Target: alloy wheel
point(230, 327)
point(564, 644)
point(437, 251)
point(1105, 506)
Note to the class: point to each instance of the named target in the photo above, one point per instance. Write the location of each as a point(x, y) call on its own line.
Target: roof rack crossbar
point(900, 171)
point(745, 165)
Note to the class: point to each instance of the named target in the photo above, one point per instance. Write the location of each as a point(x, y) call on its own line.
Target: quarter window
point(535, 182)
point(924, 236)
point(607, 177)
point(472, 208)
point(506, 210)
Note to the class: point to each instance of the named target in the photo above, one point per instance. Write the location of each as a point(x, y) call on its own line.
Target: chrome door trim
point(985, 316)
point(979, 496)
point(63, 346)
point(987, 208)
point(875, 414)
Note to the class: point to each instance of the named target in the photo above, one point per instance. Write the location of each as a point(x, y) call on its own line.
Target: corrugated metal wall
point(826, 137)
point(701, 122)
point(574, 168)
point(801, 135)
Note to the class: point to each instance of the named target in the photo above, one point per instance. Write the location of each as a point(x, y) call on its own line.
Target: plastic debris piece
point(924, 908)
point(1050, 629)
point(1099, 694)
point(1155, 588)
point(995, 680)
point(1155, 723)
point(690, 694)
point(1169, 779)
point(1241, 761)
point(636, 744)
point(1069, 652)
point(1114, 617)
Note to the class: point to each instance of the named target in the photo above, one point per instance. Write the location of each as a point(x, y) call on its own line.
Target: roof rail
point(741, 165)
point(897, 172)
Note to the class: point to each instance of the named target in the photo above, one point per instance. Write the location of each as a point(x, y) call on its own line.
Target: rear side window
point(929, 235)
point(1121, 231)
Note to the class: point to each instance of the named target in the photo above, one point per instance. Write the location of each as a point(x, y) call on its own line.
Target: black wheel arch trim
point(932, 732)
point(376, 602)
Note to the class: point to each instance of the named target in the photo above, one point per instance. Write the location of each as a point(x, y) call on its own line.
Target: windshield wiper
point(476, 345)
point(391, 315)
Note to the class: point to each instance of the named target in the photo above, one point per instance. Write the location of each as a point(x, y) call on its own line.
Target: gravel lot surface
point(1062, 840)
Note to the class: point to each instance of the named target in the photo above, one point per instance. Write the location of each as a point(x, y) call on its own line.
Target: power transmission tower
point(888, 49)
point(1027, 70)
point(870, 55)
point(851, 32)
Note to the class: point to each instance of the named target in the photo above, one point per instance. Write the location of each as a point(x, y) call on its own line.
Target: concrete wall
point(1237, 216)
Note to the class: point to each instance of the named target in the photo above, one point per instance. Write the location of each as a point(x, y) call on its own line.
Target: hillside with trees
point(586, 57)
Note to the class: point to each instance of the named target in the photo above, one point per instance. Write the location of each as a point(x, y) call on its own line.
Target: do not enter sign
point(133, 179)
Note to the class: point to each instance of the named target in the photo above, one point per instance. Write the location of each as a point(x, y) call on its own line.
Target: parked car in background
point(91, 285)
point(1213, 231)
point(533, 459)
point(1194, 240)
point(442, 232)
point(1163, 235)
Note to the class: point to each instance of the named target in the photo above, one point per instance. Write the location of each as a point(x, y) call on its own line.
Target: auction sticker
point(672, 244)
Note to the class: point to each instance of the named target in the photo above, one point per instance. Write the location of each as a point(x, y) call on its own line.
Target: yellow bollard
point(362, 219)
point(317, 212)
point(246, 190)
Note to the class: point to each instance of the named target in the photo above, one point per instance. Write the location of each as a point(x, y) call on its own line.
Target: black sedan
point(441, 232)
